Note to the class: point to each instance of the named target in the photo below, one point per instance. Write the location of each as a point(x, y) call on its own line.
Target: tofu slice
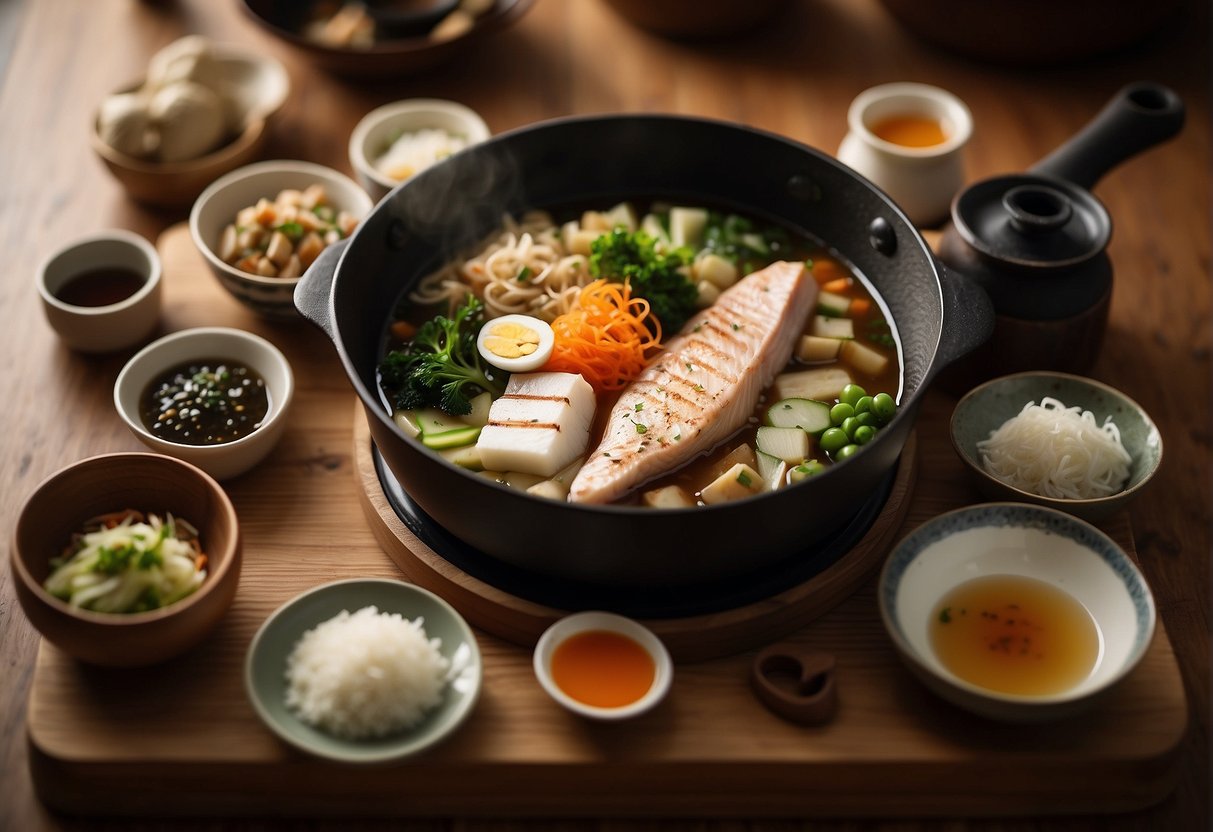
point(540, 425)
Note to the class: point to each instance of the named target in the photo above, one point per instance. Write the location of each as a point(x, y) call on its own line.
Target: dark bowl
point(384, 59)
point(350, 290)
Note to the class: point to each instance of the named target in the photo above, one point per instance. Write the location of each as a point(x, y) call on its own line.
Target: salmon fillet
point(702, 388)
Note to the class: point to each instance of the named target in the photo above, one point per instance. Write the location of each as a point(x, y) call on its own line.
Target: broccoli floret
point(441, 366)
point(632, 257)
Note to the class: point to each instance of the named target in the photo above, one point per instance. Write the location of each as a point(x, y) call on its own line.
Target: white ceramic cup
point(102, 328)
point(921, 180)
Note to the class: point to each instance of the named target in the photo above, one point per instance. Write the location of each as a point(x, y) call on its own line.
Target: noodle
point(524, 269)
point(1059, 452)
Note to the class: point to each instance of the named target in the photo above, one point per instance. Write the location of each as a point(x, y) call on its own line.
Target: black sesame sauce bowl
point(215, 376)
point(352, 288)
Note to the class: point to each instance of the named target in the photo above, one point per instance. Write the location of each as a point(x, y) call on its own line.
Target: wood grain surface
point(796, 77)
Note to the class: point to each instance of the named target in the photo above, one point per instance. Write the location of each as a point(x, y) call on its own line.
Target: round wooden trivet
point(694, 638)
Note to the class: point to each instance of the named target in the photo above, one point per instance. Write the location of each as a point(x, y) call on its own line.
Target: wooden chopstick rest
point(796, 683)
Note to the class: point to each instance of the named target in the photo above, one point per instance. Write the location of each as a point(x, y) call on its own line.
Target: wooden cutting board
point(181, 738)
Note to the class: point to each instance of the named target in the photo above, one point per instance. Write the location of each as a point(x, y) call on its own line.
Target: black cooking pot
point(353, 287)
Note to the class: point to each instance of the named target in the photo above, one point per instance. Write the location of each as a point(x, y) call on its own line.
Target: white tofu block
point(539, 426)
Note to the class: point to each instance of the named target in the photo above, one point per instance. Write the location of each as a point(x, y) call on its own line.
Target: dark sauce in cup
point(209, 401)
point(101, 287)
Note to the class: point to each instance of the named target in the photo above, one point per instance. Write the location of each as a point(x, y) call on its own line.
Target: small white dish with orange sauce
point(603, 666)
point(908, 139)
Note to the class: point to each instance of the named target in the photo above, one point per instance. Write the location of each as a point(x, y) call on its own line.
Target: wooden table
point(795, 78)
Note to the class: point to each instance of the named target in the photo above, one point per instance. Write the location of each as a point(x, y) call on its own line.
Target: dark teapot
point(1037, 242)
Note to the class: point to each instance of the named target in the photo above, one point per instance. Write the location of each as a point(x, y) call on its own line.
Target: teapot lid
point(1032, 220)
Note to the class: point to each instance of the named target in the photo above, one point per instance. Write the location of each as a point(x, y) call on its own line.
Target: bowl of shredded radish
point(1056, 440)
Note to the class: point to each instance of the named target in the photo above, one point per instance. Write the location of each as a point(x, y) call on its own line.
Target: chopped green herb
point(698, 388)
point(945, 615)
point(293, 230)
point(524, 274)
point(641, 427)
point(736, 327)
point(744, 479)
point(639, 406)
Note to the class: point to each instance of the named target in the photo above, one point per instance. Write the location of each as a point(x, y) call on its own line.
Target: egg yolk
point(511, 340)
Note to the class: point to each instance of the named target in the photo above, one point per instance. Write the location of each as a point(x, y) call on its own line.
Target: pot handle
point(1141, 115)
point(314, 290)
point(968, 317)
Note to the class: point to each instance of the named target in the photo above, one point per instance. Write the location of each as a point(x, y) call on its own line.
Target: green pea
point(864, 434)
point(833, 439)
point(851, 394)
point(841, 411)
point(848, 426)
point(864, 404)
point(884, 407)
point(868, 418)
point(846, 451)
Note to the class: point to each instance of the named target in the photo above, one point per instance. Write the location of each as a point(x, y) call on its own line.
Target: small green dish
point(986, 407)
point(265, 667)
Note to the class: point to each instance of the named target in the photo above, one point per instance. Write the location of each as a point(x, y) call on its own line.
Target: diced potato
point(813, 348)
point(347, 222)
point(576, 239)
point(265, 213)
point(827, 327)
point(671, 496)
point(550, 489)
point(738, 482)
point(331, 236)
point(743, 454)
point(293, 267)
point(622, 216)
point(250, 238)
point(465, 456)
point(406, 420)
point(308, 221)
point(823, 384)
point(309, 248)
point(314, 195)
point(863, 358)
point(687, 226)
point(266, 267)
point(521, 480)
point(228, 249)
point(595, 221)
point(246, 217)
point(709, 293)
point(716, 270)
point(279, 249)
point(248, 264)
point(291, 197)
point(287, 213)
point(651, 225)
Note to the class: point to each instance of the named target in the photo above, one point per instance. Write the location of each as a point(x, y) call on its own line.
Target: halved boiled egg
point(516, 343)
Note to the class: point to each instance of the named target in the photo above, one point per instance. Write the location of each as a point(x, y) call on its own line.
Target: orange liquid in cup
point(603, 669)
point(910, 130)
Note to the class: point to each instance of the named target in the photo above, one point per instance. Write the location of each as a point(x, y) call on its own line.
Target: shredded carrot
point(200, 561)
point(838, 284)
point(403, 330)
point(608, 336)
point(860, 306)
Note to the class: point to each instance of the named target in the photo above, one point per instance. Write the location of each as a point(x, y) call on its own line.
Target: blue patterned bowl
point(1020, 540)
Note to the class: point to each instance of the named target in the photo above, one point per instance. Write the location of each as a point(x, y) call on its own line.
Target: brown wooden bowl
point(149, 483)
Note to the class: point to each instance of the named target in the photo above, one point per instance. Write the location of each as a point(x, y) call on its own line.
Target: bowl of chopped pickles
point(260, 227)
point(126, 559)
point(215, 397)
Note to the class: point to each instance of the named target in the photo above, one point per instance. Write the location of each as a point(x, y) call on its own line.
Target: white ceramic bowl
point(102, 328)
point(232, 458)
point(377, 130)
point(1022, 540)
point(921, 180)
point(583, 622)
point(217, 206)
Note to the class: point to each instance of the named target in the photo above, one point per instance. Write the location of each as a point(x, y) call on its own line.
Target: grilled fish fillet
point(703, 386)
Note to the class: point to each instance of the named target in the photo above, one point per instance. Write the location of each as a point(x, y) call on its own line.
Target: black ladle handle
point(1141, 115)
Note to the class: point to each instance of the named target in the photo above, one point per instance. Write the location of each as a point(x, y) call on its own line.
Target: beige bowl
point(259, 84)
point(114, 326)
point(113, 482)
point(271, 297)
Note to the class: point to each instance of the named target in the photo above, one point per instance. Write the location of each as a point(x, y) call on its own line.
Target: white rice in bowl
point(365, 675)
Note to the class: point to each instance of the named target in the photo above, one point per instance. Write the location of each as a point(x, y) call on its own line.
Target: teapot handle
point(1140, 116)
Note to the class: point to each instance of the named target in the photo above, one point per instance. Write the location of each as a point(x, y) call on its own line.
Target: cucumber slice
point(788, 444)
point(806, 414)
point(804, 470)
point(479, 415)
point(833, 305)
point(465, 435)
point(825, 327)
